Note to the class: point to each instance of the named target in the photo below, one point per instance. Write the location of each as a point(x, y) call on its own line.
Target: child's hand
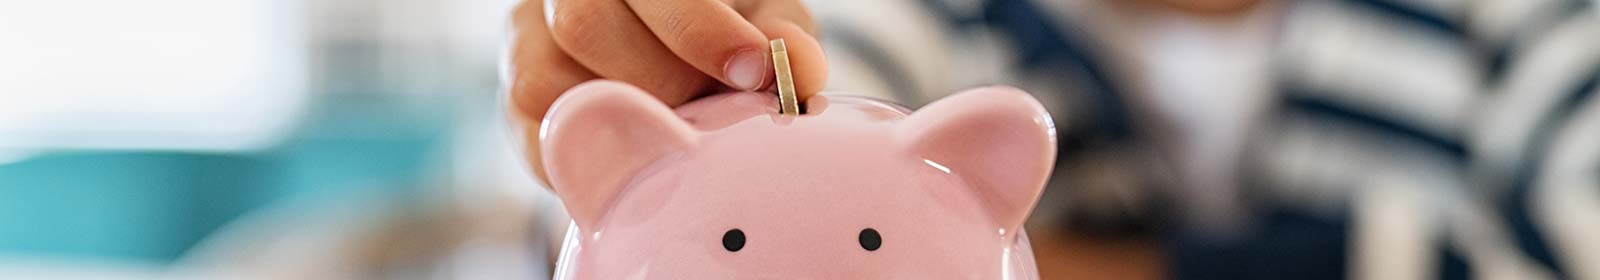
point(674, 49)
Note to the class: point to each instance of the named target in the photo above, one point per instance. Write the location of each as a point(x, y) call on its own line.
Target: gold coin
point(788, 102)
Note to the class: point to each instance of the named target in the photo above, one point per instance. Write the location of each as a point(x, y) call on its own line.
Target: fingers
point(537, 71)
point(608, 39)
point(711, 36)
point(790, 20)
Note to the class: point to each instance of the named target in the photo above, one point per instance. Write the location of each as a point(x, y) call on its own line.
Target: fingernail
point(747, 70)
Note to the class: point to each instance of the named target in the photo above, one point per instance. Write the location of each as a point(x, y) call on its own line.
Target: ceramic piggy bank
point(726, 188)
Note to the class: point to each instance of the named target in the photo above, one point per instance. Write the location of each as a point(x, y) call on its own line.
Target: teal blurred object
point(132, 205)
point(152, 206)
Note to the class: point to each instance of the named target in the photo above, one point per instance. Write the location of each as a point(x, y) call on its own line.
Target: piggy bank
point(724, 187)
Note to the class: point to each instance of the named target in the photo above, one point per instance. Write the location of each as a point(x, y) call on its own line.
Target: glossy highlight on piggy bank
point(726, 188)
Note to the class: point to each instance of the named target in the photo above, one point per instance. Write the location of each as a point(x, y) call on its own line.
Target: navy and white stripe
point(1474, 95)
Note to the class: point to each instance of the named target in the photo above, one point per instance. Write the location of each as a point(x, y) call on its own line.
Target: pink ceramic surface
point(657, 193)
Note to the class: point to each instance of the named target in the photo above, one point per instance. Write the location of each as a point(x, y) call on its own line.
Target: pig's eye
point(870, 239)
point(733, 240)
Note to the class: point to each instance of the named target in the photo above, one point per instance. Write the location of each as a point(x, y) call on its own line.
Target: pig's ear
point(597, 138)
point(998, 140)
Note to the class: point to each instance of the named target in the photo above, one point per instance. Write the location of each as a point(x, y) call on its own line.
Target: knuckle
point(575, 33)
point(679, 25)
point(539, 72)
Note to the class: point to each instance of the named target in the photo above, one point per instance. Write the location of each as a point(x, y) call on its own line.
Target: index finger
point(711, 36)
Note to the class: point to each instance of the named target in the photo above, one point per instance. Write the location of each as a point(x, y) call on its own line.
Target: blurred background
point(1216, 139)
point(260, 138)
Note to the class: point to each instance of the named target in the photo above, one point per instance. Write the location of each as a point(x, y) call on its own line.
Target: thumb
point(789, 20)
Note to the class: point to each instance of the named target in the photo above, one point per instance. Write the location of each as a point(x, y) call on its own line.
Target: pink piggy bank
point(726, 188)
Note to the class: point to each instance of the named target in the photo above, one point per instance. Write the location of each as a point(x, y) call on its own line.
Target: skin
point(676, 50)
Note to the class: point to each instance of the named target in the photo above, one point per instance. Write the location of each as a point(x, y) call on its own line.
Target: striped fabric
point(1401, 138)
point(1459, 100)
